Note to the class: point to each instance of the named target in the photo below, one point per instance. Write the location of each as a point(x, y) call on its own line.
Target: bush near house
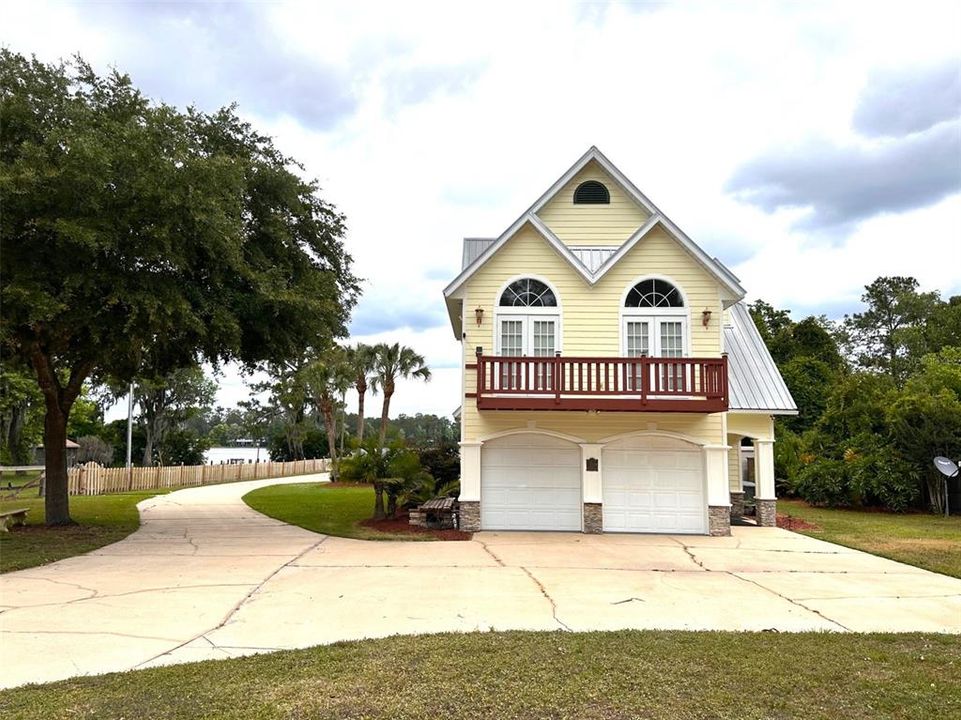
point(878, 395)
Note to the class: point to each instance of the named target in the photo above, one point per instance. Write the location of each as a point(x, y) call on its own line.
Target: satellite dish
point(946, 466)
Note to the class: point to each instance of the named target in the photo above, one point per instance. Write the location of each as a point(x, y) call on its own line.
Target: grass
point(594, 676)
point(101, 520)
point(11, 480)
point(927, 541)
point(330, 509)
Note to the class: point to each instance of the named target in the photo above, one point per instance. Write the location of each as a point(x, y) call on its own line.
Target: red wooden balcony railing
point(595, 383)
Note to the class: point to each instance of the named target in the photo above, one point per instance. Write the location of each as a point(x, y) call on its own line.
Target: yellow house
point(611, 371)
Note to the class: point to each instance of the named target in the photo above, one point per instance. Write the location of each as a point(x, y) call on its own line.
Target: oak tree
point(131, 228)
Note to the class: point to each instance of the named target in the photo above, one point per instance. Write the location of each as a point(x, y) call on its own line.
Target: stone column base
point(737, 504)
point(593, 518)
point(766, 512)
point(719, 520)
point(469, 516)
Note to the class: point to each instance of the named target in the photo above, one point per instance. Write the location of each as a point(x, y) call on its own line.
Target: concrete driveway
point(207, 577)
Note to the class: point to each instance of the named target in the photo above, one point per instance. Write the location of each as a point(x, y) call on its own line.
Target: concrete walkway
point(207, 577)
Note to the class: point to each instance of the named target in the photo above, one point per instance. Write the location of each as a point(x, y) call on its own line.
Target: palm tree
point(361, 359)
point(393, 362)
point(327, 377)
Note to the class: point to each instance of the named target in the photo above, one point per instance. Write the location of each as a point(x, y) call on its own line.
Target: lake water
point(217, 455)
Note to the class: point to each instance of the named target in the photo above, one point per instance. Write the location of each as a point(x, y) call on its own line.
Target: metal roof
point(473, 247)
point(753, 379)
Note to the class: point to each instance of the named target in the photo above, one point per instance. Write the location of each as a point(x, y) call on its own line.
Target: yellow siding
point(751, 425)
point(734, 462)
point(590, 323)
point(581, 225)
point(592, 427)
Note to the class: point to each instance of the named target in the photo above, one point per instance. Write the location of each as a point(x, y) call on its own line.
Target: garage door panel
point(530, 482)
point(653, 484)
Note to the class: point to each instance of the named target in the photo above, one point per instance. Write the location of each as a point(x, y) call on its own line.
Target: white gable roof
point(657, 219)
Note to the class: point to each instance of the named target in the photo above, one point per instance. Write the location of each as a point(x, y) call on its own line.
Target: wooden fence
point(92, 479)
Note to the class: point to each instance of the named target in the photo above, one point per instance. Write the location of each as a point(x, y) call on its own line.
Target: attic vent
point(592, 193)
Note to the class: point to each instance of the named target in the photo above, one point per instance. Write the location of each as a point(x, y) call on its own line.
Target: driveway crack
point(793, 602)
point(549, 599)
point(243, 601)
point(490, 552)
point(691, 555)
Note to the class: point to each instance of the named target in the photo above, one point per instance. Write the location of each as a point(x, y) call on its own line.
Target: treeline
point(878, 394)
point(176, 422)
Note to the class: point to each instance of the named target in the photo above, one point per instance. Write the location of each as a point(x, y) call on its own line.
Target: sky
point(812, 147)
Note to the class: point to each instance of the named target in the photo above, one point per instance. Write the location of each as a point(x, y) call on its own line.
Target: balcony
point(610, 384)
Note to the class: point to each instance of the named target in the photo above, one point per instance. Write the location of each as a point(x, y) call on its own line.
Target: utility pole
point(129, 432)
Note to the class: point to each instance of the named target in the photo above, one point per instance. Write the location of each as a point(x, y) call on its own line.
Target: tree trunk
point(391, 504)
point(383, 415)
point(361, 391)
point(56, 501)
point(327, 409)
point(379, 501)
point(13, 435)
point(147, 447)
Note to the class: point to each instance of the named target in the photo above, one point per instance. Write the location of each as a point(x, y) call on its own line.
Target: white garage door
point(654, 484)
point(530, 482)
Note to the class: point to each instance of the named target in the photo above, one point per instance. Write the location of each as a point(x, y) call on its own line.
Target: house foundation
point(737, 504)
point(469, 516)
point(719, 520)
point(593, 518)
point(766, 513)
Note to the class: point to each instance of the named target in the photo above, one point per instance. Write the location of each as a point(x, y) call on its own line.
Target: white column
point(716, 468)
point(764, 469)
point(591, 486)
point(470, 471)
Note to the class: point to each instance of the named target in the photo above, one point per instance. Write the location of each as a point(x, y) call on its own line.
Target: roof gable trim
point(718, 271)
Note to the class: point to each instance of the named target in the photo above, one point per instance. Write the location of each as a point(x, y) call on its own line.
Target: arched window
point(654, 293)
point(591, 193)
point(528, 292)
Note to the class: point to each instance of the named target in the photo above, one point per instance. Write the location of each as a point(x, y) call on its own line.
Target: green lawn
point(331, 509)
point(102, 519)
point(514, 675)
point(932, 542)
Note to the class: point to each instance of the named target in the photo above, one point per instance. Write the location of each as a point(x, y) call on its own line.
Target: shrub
point(94, 449)
point(442, 461)
point(823, 482)
point(885, 479)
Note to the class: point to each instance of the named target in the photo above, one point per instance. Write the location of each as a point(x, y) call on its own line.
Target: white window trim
point(528, 327)
point(654, 336)
point(555, 313)
point(680, 313)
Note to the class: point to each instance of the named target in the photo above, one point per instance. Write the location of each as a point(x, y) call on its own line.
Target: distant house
point(40, 457)
point(612, 371)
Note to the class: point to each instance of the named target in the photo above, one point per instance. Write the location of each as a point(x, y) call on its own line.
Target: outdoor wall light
point(479, 315)
point(706, 317)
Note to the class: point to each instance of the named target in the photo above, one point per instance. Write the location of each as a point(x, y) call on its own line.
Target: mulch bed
point(789, 522)
point(401, 525)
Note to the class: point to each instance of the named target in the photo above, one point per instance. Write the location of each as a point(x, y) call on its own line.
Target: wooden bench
point(12, 518)
point(436, 513)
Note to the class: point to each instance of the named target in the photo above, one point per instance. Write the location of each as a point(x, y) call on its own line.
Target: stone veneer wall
point(719, 520)
point(593, 518)
point(766, 513)
point(737, 504)
point(469, 516)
